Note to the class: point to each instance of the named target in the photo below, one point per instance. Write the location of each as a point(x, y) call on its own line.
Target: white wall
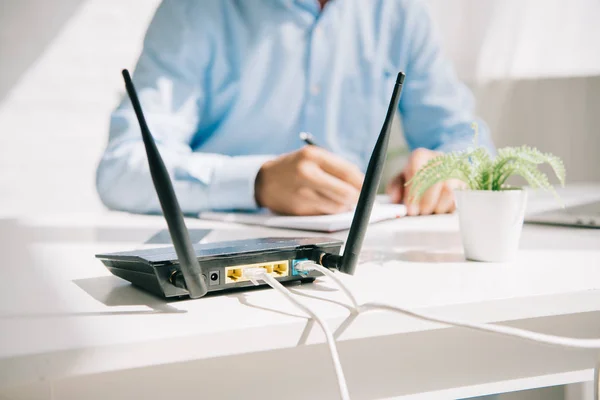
point(557, 115)
point(54, 121)
point(27, 27)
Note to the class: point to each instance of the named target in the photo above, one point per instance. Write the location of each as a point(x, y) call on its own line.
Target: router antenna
point(195, 281)
point(347, 262)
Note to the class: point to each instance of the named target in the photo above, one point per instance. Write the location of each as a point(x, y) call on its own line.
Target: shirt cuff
point(232, 184)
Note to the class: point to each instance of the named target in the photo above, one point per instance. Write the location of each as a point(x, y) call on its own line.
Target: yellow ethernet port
point(277, 269)
point(281, 269)
point(233, 274)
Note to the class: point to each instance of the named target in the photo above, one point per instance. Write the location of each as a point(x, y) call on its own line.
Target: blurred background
point(534, 66)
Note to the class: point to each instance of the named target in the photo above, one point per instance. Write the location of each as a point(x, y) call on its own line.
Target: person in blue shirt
point(228, 85)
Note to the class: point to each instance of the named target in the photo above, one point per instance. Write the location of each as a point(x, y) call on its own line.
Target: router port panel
point(226, 272)
point(277, 269)
point(161, 274)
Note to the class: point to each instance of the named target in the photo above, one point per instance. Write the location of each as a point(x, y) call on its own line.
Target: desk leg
point(585, 390)
point(597, 380)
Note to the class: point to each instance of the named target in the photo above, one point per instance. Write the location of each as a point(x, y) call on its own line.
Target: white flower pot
point(491, 223)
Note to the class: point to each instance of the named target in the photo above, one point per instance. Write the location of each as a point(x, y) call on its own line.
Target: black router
point(194, 270)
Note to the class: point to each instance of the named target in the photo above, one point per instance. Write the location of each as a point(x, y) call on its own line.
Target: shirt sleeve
point(169, 79)
point(437, 108)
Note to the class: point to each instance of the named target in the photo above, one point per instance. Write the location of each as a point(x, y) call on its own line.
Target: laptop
point(583, 215)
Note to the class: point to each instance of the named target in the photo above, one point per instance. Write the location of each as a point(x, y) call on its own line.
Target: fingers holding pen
point(310, 181)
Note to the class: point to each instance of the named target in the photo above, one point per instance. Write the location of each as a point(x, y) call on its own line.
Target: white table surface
point(70, 330)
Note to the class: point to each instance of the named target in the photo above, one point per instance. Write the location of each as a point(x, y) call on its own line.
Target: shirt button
point(319, 31)
point(315, 90)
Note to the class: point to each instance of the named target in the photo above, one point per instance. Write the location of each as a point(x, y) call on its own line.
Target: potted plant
point(490, 212)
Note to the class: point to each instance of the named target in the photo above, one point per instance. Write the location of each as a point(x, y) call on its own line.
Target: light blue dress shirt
point(228, 84)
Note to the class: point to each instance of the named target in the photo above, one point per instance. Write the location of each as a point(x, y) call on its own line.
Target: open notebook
point(320, 223)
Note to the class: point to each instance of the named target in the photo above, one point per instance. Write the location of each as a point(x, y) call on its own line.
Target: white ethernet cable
point(503, 330)
point(560, 341)
point(256, 274)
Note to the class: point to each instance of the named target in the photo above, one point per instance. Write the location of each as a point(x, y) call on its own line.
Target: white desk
point(70, 330)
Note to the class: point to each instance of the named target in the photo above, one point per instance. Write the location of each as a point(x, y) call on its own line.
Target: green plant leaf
point(503, 166)
point(447, 166)
point(477, 168)
point(482, 163)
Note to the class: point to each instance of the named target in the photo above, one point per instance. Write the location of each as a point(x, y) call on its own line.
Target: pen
point(307, 138)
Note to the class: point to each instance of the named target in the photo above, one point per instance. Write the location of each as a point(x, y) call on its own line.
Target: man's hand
point(438, 199)
point(310, 181)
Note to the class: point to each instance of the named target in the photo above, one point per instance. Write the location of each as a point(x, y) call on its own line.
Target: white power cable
point(256, 274)
point(489, 328)
point(306, 266)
